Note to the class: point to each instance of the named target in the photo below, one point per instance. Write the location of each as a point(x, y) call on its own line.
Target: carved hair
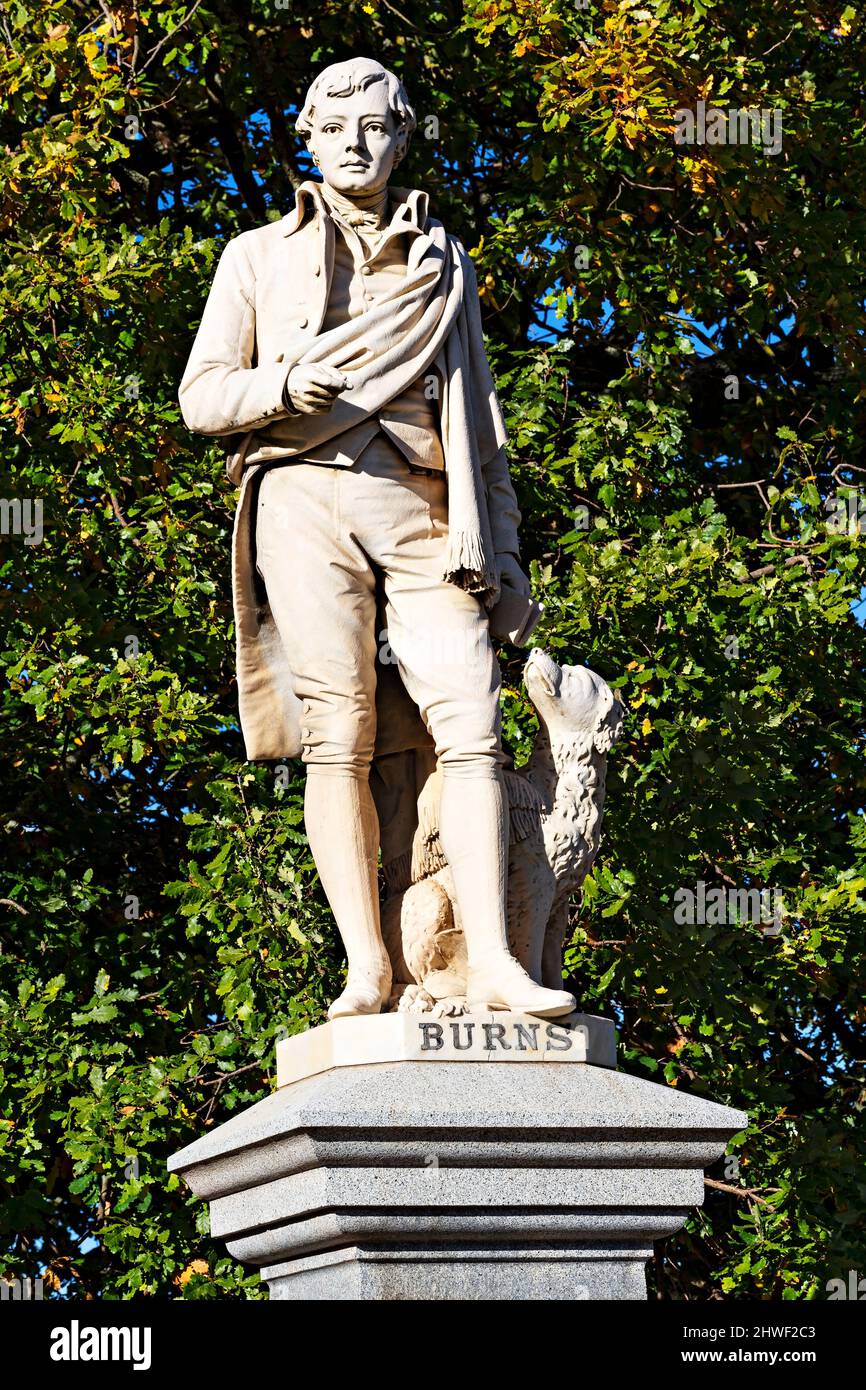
point(356, 75)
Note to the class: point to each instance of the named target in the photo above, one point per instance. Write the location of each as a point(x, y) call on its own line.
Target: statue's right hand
point(312, 387)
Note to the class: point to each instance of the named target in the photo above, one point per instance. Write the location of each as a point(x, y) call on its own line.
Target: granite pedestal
point(485, 1158)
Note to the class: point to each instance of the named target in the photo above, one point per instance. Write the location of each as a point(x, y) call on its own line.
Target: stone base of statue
point(484, 1157)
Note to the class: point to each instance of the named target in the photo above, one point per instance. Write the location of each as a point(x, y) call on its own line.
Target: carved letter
point(431, 1037)
point(496, 1030)
point(455, 1033)
point(558, 1038)
point(528, 1032)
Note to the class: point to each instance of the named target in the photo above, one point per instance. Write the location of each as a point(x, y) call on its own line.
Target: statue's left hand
point(511, 575)
point(514, 615)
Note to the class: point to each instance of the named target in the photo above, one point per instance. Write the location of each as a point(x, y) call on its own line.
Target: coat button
point(302, 323)
point(317, 270)
point(366, 270)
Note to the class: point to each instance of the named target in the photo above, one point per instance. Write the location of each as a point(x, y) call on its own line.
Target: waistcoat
point(361, 276)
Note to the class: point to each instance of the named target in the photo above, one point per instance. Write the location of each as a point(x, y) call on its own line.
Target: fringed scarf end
point(398, 873)
point(467, 564)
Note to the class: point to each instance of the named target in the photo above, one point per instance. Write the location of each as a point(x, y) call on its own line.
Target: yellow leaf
point(646, 727)
point(195, 1267)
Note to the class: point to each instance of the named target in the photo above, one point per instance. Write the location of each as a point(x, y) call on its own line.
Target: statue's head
point(356, 121)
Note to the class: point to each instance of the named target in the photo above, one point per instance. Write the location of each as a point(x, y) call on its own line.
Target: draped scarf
point(427, 320)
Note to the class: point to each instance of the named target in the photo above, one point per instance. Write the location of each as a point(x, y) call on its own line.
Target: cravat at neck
point(367, 213)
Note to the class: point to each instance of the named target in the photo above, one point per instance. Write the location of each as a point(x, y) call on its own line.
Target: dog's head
point(572, 700)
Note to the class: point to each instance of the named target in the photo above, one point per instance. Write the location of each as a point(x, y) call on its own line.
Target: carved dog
point(555, 803)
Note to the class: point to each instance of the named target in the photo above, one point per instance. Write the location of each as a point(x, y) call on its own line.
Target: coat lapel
point(308, 252)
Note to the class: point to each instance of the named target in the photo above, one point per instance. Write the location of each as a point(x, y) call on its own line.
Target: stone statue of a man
point(341, 349)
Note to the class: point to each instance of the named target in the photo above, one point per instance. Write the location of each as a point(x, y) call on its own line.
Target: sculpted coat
point(264, 313)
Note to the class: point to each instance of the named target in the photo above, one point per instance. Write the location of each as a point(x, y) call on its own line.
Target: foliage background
point(123, 1036)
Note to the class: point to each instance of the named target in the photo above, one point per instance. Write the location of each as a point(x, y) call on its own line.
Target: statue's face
point(355, 141)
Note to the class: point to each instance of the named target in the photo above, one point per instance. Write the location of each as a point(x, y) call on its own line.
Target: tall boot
point(473, 829)
point(343, 830)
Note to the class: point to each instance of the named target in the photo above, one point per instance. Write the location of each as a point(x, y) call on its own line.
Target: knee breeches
point(333, 543)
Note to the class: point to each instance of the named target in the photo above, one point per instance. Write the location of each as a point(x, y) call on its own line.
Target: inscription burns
point(470, 1036)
